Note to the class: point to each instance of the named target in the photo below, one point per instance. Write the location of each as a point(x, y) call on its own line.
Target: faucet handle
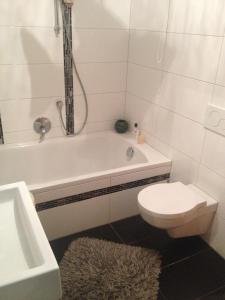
point(42, 126)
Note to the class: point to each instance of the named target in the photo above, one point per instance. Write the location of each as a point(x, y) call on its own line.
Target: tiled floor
point(191, 270)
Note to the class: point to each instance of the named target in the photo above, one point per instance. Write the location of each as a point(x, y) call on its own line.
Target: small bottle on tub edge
point(140, 138)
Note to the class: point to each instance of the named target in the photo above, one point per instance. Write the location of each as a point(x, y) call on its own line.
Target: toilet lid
point(169, 200)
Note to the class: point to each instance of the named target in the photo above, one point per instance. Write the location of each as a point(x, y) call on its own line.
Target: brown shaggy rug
point(102, 270)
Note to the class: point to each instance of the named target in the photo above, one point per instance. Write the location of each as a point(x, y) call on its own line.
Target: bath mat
point(102, 270)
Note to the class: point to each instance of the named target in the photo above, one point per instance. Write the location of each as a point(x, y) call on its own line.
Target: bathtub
point(83, 182)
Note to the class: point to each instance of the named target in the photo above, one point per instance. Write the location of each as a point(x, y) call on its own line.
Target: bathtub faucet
point(42, 134)
point(42, 126)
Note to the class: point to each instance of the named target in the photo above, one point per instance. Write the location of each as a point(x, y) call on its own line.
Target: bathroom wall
point(31, 64)
point(176, 68)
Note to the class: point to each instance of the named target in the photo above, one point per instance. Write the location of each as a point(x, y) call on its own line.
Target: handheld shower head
point(59, 104)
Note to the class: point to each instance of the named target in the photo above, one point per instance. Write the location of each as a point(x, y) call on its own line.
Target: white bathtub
point(84, 181)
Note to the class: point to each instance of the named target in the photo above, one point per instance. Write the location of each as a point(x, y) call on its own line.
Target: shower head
point(69, 2)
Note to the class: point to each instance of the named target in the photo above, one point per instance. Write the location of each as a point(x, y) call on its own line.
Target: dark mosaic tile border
point(100, 192)
point(1, 132)
point(68, 68)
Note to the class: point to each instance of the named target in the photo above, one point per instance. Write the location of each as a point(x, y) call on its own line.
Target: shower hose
point(59, 103)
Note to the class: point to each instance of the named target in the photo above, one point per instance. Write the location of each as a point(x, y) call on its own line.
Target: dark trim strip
point(1, 132)
point(100, 192)
point(68, 68)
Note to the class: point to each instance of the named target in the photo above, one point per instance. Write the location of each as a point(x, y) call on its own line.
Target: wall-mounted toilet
point(182, 210)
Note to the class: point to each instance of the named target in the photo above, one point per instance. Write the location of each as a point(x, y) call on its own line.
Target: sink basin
point(28, 269)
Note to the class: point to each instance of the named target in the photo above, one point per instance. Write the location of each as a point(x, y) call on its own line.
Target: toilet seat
point(179, 209)
point(170, 201)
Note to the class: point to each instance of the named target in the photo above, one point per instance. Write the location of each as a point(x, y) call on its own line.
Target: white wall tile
point(160, 146)
point(75, 217)
point(216, 237)
point(34, 13)
point(178, 131)
point(164, 125)
point(100, 45)
point(144, 82)
point(214, 185)
point(188, 97)
point(184, 169)
point(37, 45)
point(147, 48)
point(102, 14)
point(102, 77)
point(26, 136)
point(29, 110)
point(6, 81)
point(213, 152)
point(124, 204)
point(218, 98)
point(187, 137)
point(105, 107)
point(6, 13)
point(46, 80)
point(31, 81)
point(150, 14)
point(34, 81)
point(221, 69)
point(98, 126)
point(189, 55)
point(6, 45)
point(198, 17)
point(141, 112)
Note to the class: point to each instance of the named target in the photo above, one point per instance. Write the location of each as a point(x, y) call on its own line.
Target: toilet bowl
point(182, 210)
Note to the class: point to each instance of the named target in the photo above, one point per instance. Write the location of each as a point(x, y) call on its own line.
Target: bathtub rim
point(154, 160)
point(128, 137)
point(94, 176)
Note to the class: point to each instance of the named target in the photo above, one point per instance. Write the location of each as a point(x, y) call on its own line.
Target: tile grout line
point(174, 73)
point(185, 258)
point(53, 97)
point(211, 293)
point(177, 33)
point(116, 233)
point(164, 107)
point(162, 294)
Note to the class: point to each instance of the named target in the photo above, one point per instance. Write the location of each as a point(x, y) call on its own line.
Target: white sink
point(28, 269)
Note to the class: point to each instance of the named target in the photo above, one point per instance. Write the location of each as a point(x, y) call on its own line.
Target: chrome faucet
point(42, 134)
point(42, 126)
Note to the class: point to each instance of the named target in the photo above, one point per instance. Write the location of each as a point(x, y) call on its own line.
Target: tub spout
point(42, 134)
